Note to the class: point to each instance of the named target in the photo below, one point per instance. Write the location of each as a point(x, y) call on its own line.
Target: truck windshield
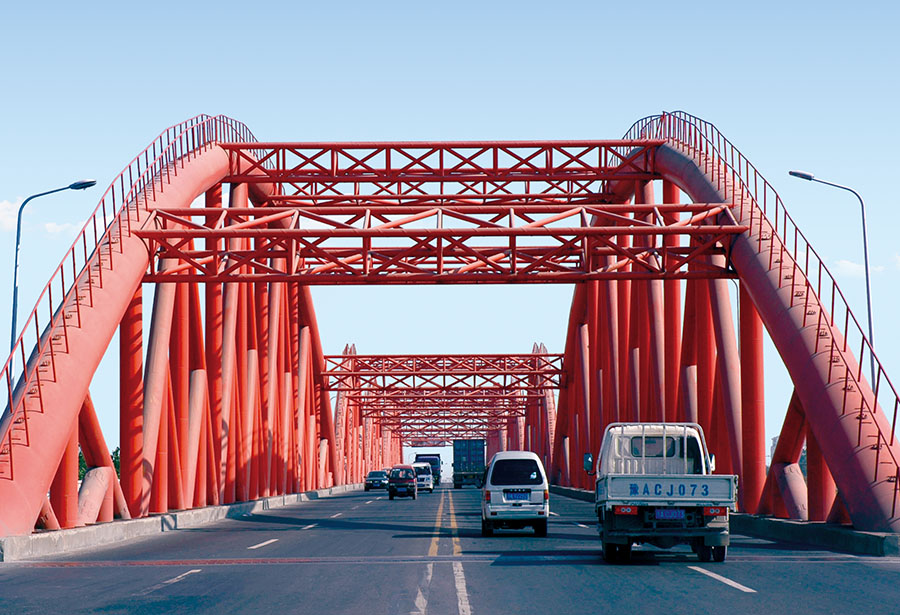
point(516, 472)
point(422, 470)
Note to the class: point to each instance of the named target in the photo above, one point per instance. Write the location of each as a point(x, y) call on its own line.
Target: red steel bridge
point(228, 396)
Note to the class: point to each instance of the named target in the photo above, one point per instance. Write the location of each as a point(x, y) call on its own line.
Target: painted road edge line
point(724, 580)
point(263, 544)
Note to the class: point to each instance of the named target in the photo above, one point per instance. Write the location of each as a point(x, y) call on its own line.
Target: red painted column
point(159, 490)
point(752, 402)
point(820, 484)
point(131, 403)
point(179, 361)
point(672, 318)
point(64, 488)
point(706, 357)
point(728, 369)
point(687, 376)
point(214, 316)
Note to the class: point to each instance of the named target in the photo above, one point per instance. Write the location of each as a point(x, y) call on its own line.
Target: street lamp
point(862, 205)
point(79, 185)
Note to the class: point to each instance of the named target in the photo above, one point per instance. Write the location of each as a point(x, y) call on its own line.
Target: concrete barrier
point(42, 544)
point(810, 533)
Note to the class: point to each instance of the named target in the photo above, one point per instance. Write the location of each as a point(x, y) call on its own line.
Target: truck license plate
point(669, 513)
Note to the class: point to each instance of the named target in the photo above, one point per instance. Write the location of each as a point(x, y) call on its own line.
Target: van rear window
point(516, 472)
point(652, 446)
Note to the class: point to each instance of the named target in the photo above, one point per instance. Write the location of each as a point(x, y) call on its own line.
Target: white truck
point(655, 485)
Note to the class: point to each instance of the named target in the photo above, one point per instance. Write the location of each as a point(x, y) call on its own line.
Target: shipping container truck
point(468, 463)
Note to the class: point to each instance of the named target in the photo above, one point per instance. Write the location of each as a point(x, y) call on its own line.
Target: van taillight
point(546, 495)
point(487, 495)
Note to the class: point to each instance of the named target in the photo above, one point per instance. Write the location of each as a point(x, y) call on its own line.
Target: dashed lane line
point(263, 544)
point(335, 515)
point(171, 581)
point(459, 577)
point(724, 580)
point(309, 527)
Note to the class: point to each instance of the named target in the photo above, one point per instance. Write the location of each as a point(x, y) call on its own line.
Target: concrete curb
point(15, 548)
point(832, 537)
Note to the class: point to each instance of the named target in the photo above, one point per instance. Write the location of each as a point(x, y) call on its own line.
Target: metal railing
point(753, 195)
point(70, 289)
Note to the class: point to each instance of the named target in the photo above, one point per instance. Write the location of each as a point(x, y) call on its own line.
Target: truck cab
point(654, 484)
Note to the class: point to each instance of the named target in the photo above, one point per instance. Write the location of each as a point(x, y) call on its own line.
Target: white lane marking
point(722, 579)
point(309, 527)
point(462, 595)
point(335, 515)
point(262, 544)
point(370, 501)
point(583, 525)
point(169, 582)
point(554, 514)
point(355, 507)
point(422, 597)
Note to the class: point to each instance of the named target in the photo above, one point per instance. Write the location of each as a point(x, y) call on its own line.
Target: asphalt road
point(362, 554)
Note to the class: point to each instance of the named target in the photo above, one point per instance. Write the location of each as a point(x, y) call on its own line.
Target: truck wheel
point(610, 553)
point(456, 485)
point(486, 529)
point(625, 553)
point(718, 553)
point(704, 553)
point(540, 528)
point(390, 496)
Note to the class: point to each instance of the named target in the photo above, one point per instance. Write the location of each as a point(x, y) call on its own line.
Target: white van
point(515, 493)
point(424, 477)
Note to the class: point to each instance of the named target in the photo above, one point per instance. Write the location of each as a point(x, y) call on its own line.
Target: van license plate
point(518, 496)
point(670, 513)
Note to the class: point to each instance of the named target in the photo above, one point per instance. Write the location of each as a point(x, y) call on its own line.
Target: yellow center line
point(433, 548)
point(453, 527)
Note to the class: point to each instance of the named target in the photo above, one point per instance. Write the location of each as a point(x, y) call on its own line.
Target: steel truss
point(356, 244)
point(233, 400)
point(443, 397)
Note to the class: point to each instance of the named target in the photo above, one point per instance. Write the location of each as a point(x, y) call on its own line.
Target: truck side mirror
point(712, 463)
point(589, 464)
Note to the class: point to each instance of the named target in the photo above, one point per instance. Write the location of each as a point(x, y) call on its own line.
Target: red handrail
point(724, 163)
point(150, 171)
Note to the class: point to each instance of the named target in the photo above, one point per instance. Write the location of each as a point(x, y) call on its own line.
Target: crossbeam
point(408, 244)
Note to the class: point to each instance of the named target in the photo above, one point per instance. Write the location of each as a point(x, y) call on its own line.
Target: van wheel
point(414, 495)
point(704, 553)
point(486, 528)
point(540, 528)
point(718, 553)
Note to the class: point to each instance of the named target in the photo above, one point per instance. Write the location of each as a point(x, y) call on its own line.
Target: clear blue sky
point(793, 85)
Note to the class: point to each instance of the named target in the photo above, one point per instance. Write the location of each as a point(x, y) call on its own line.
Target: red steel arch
point(228, 396)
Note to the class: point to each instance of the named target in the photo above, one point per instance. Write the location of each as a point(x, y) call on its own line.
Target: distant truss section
point(437, 398)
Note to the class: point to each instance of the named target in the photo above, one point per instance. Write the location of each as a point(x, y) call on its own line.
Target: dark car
point(402, 482)
point(376, 479)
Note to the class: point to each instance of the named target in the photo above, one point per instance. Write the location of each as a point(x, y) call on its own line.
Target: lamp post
point(79, 185)
point(862, 205)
